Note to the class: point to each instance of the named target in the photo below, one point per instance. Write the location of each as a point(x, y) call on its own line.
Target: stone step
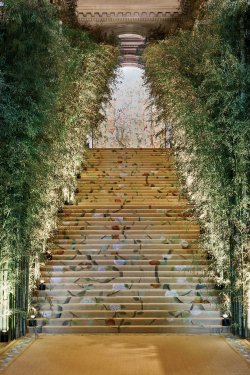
point(123, 203)
point(180, 314)
point(131, 212)
point(130, 264)
point(162, 266)
point(106, 191)
point(115, 225)
point(130, 258)
point(118, 216)
point(125, 321)
point(182, 280)
point(127, 186)
point(104, 220)
point(126, 178)
point(190, 329)
point(207, 287)
point(166, 299)
point(110, 240)
point(92, 272)
point(138, 210)
point(128, 195)
point(119, 229)
point(159, 246)
point(124, 251)
point(187, 247)
point(129, 163)
point(128, 168)
point(205, 293)
point(63, 305)
point(172, 212)
point(128, 173)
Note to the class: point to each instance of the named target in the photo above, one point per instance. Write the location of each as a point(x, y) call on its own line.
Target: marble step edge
point(113, 306)
point(130, 313)
point(137, 329)
point(121, 279)
point(133, 228)
point(122, 273)
point(116, 254)
point(137, 213)
point(110, 240)
point(207, 286)
point(130, 254)
point(143, 208)
point(130, 248)
point(145, 211)
point(154, 238)
point(92, 321)
point(208, 293)
point(129, 266)
point(120, 220)
point(121, 299)
point(117, 259)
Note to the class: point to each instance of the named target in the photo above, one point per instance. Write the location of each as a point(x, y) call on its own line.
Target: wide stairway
point(125, 255)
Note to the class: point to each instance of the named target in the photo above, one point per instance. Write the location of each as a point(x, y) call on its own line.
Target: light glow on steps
point(126, 255)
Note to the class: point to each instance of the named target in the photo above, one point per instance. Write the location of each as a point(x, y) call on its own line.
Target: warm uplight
point(225, 321)
point(4, 299)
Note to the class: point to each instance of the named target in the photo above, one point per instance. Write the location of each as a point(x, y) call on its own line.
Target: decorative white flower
point(171, 293)
point(118, 219)
point(101, 269)
point(97, 214)
point(120, 262)
point(119, 287)
point(180, 268)
point(116, 246)
point(57, 268)
point(195, 312)
point(184, 244)
point(167, 256)
point(115, 307)
point(87, 300)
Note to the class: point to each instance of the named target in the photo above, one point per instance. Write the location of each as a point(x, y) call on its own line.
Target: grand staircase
point(126, 255)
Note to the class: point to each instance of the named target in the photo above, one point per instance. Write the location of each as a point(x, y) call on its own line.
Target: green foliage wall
point(201, 83)
point(53, 81)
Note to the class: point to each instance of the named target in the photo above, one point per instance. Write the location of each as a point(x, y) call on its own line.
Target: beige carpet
point(129, 355)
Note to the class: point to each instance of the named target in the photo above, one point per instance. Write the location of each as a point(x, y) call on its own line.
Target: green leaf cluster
point(200, 80)
point(53, 81)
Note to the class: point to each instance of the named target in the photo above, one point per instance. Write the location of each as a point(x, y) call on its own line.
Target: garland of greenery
point(53, 81)
point(200, 80)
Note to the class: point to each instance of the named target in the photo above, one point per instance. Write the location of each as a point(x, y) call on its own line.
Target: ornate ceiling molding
point(110, 12)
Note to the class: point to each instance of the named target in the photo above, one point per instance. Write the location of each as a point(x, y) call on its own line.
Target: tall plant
point(53, 80)
point(201, 82)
